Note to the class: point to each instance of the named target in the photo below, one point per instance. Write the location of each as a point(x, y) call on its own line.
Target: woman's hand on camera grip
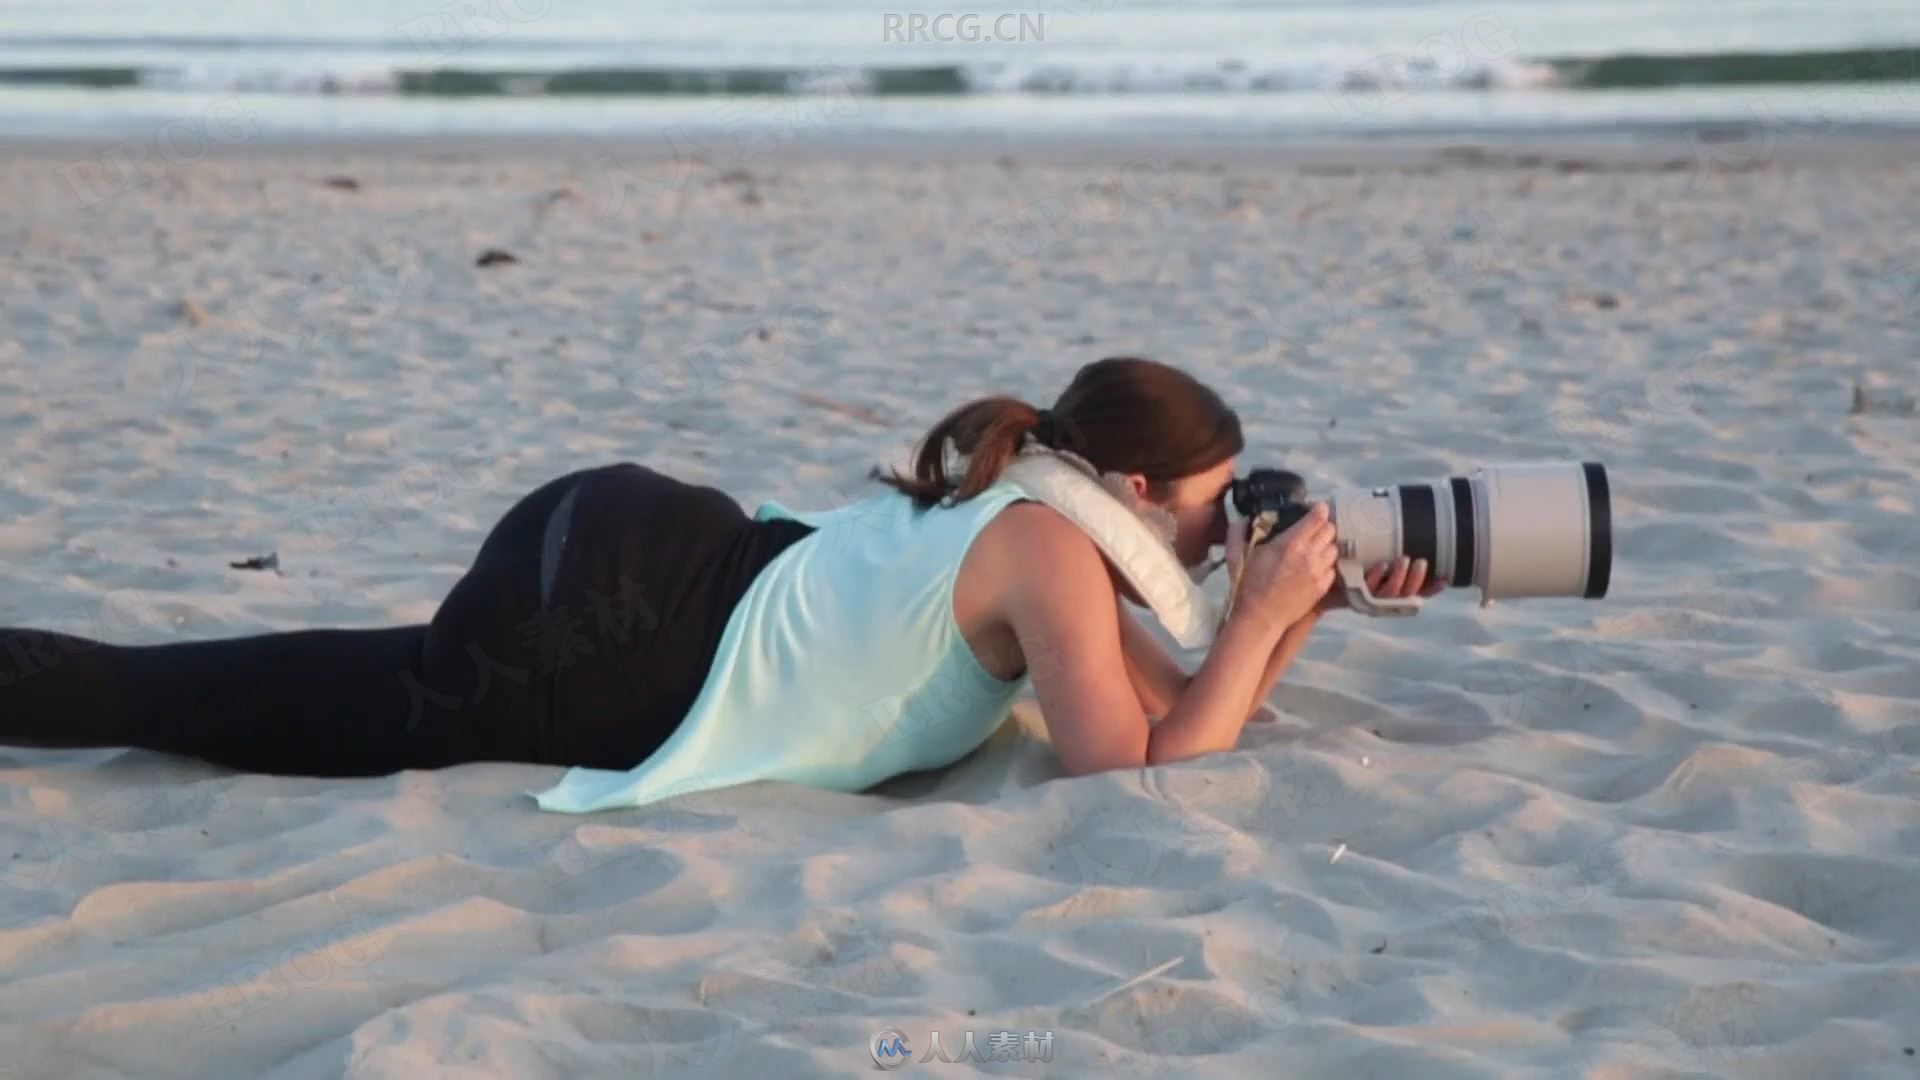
point(1286, 577)
point(1389, 579)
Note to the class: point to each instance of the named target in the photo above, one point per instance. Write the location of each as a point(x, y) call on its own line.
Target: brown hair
point(1122, 413)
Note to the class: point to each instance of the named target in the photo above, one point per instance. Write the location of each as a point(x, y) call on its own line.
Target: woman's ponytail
point(986, 431)
point(1122, 413)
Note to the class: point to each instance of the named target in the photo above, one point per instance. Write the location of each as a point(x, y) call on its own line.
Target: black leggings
point(580, 635)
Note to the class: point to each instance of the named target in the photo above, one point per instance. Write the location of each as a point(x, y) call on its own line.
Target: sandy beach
point(1669, 833)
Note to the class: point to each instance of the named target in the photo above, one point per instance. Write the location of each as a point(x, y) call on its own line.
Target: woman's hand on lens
point(1390, 579)
point(1287, 576)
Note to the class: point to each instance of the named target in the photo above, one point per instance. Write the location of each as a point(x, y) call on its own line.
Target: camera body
point(1514, 530)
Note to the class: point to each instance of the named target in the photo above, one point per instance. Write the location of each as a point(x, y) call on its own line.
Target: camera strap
point(1069, 484)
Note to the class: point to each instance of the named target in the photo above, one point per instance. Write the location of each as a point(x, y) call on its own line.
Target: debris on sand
point(494, 257)
point(857, 412)
point(1881, 401)
point(270, 561)
point(190, 310)
point(342, 183)
point(548, 200)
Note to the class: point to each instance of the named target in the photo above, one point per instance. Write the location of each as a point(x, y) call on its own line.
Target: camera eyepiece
point(1267, 489)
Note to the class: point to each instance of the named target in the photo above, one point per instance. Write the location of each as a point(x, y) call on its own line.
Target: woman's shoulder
point(1032, 573)
point(1033, 541)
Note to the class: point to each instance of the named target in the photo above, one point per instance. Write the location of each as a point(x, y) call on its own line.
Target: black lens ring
point(1419, 526)
point(1465, 528)
point(1600, 518)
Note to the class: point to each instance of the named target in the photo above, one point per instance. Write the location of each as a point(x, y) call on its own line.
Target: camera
point(1532, 529)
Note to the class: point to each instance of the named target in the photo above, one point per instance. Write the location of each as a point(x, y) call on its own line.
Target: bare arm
point(1060, 604)
point(1158, 679)
point(1220, 698)
point(1388, 578)
point(1290, 644)
point(1281, 584)
point(1069, 623)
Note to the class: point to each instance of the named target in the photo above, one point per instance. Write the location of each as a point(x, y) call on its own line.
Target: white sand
point(1670, 833)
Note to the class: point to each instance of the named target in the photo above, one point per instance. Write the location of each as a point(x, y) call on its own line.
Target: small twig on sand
point(1136, 980)
point(856, 411)
point(190, 310)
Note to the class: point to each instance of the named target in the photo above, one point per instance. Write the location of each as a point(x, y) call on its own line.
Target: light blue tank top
point(841, 665)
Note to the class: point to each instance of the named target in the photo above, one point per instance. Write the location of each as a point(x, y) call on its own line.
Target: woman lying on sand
point(649, 633)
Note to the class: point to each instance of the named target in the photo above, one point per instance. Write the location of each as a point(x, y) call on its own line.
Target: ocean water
point(1250, 69)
